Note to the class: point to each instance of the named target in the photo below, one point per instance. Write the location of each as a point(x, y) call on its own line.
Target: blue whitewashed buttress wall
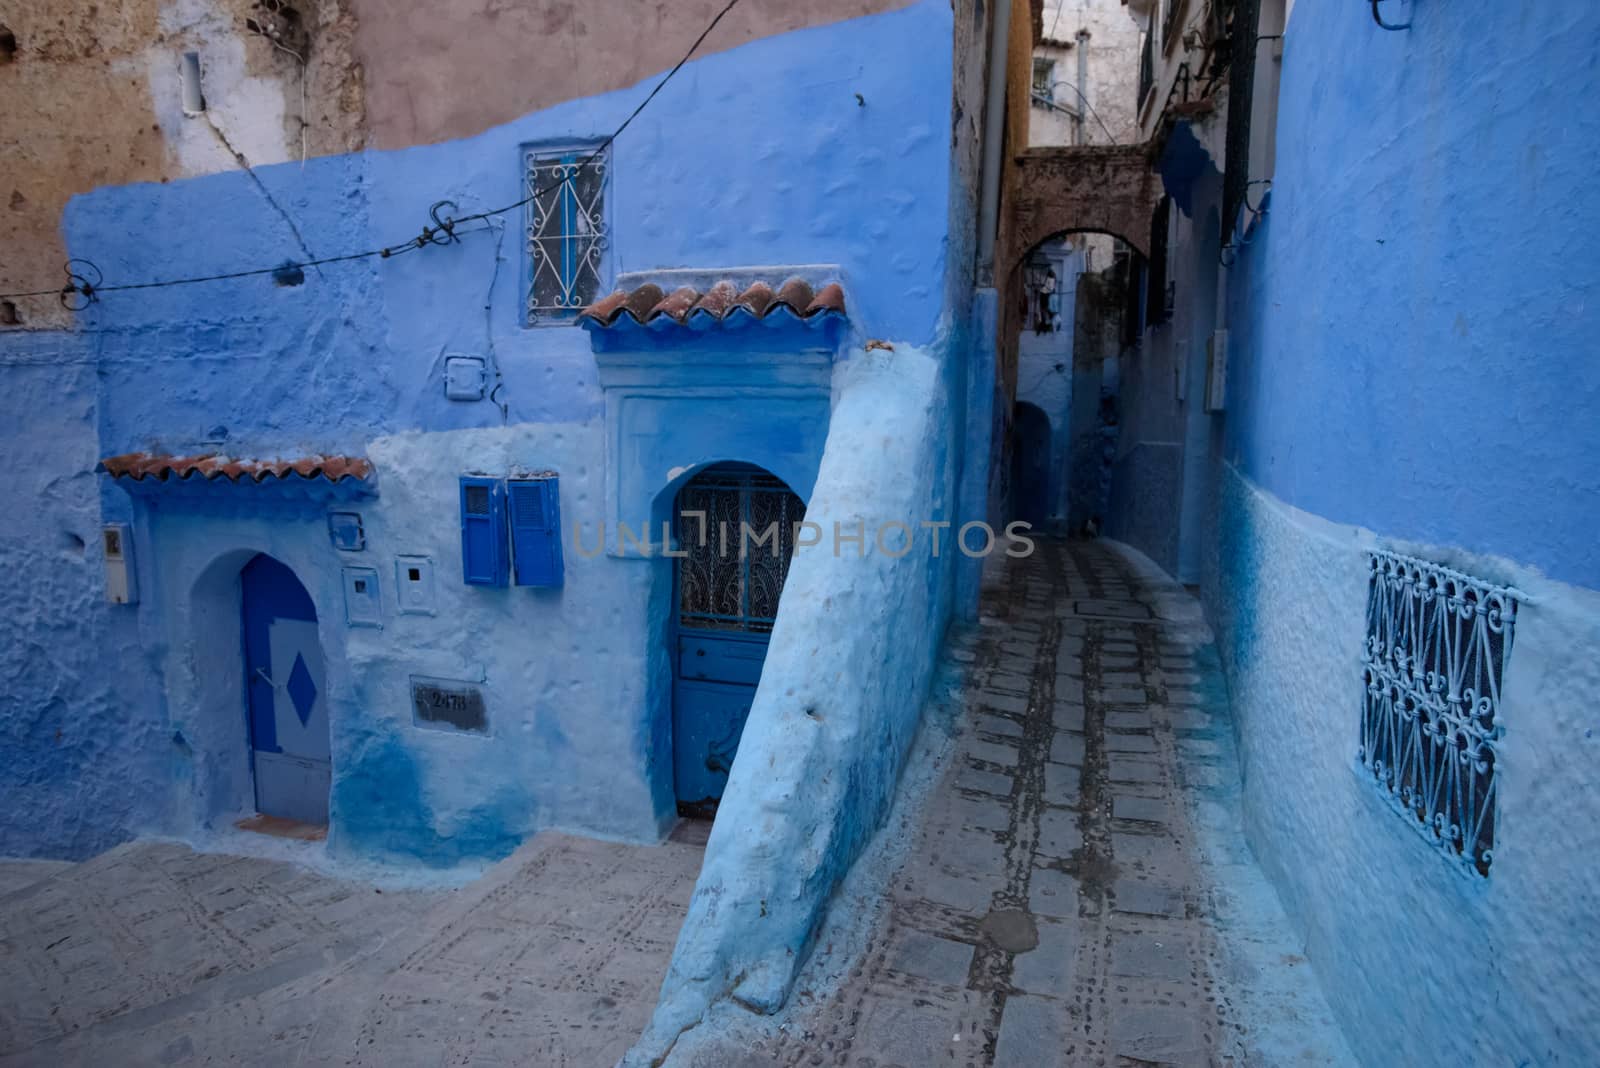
point(1413, 367)
point(715, 172)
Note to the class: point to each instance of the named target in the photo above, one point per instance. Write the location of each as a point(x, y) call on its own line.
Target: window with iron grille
point(1043, 74)
point(567, 231)
point(1435, 656)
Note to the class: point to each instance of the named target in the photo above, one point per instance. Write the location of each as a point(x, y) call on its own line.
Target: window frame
point(595, 258)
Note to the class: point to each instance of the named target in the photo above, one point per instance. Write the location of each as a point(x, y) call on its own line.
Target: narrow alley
point(1079, 891)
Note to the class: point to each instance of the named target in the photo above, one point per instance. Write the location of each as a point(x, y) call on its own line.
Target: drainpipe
point(1083, 86)
point(994, 114)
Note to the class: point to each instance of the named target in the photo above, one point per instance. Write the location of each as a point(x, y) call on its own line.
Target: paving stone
point(1154, 854)
point(1134, 679)
point(1130, 743)
point(1051, 968)
point(919, 1030)
point(1198, 748)
point(974, 851)
point(1129, 769)
point(1145, 955)
point(962, 890)
point(1052, 893)
point(1062, 785)
point(993, 752)
point(1182, 697)
point(1159, 1034)
point(1144, 809)
point(1180, 678)
point(1017, 706)
point(1066, 749)
point(980, 815)
point(1110, 660)
point(1011, 684)
point(1066, 716)
point(1188, 719)
point(984, 782)
point(1069, 646)
point(1141, 898)
point(1125, 720)
point(1015, 666)
point(1034, 1033)
point(1002, 726)
point(931, 957)
point(1059, 835)
point(1069, 690)
point(1117, 695)
point(1177, 663)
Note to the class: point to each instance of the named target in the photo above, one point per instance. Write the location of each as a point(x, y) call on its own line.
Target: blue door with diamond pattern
point(285, 683)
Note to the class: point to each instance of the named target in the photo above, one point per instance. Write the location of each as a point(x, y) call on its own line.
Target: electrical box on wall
point(535, 508)
point(413, 583)
point(344, 530)
point(483, 531)
point(122, 583)
point(465, 378)
point(362, 606)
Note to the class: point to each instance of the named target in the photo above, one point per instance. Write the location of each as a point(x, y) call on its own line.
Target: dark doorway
point(736, 522)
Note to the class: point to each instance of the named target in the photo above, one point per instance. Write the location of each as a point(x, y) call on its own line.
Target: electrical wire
point(80, 287)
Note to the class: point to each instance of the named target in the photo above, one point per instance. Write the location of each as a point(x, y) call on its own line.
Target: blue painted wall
point(1414, 326)
point(1413, 366)
point(714, 173)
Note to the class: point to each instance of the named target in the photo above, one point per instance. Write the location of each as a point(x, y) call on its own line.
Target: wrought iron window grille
point(727, 581)
point(567, 231)
point(1433, 664)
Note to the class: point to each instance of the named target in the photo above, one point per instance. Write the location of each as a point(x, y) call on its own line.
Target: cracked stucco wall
point(95, 98)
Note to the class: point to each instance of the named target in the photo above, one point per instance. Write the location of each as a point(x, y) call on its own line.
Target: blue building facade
point(1373, 410)
point(329, 419)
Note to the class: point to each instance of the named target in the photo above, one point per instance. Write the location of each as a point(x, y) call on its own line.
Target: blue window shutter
point(483, 532)
point(536, 530)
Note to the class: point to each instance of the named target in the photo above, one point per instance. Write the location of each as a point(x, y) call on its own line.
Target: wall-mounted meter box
point(122, 584)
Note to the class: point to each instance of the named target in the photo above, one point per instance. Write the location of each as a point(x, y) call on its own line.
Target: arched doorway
point(1030, 465)
point(285, 685)
point(735, 525)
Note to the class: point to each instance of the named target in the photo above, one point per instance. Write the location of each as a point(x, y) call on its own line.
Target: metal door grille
point(1433, 664)
point(739, 556)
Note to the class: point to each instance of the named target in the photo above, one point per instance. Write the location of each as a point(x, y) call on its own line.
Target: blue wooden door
point(727, 600)
point(285, 681)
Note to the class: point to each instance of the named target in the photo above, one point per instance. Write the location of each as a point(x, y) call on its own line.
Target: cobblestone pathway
point(155, 954)
point(1079, 892)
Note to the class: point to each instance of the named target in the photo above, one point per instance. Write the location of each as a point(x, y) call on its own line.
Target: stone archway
point(1108, 188)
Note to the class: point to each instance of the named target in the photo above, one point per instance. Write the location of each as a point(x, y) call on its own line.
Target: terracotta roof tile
point(687, 306)
point(139, 466)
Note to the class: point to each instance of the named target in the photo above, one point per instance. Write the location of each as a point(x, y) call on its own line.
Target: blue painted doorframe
point(284, 683)
point(726, 598)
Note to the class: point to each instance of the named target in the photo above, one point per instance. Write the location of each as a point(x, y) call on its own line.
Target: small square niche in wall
point(344, 530)
point(413, 583)
point(362, 605)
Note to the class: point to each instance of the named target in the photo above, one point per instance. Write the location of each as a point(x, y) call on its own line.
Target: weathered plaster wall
point(435, 74)
point(1502, 970)
point(1412, 367)
point(351, 361)
point(80, 758)
point(1112, 74)
point(1414, 322)
point(1163, 450)
point(94, 98)
point(839, 700)
point(94, 93)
